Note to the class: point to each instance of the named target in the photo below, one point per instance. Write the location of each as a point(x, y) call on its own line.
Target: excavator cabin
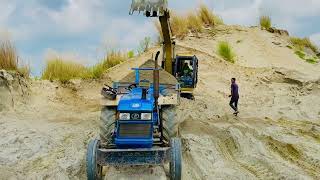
point(186, 72)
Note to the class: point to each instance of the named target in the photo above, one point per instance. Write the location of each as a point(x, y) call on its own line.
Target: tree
point(144, 45)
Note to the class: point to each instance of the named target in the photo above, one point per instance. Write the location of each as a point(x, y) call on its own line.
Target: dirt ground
point(276, 135)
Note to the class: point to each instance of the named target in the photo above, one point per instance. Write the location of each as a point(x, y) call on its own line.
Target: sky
point(83, 30)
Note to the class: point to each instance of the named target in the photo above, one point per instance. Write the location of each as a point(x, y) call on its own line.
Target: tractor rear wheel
point(175, 161)
point(107, 124)
point(170, 124)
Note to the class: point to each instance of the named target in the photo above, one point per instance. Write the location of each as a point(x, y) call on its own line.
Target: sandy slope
point(276, 136)
point(46, 139)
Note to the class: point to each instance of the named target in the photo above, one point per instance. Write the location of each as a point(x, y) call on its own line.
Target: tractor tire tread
point(107, 123)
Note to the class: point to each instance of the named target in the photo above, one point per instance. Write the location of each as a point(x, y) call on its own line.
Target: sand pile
point(165, 77)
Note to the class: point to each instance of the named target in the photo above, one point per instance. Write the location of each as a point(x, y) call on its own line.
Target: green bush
point(301, 54)
point(312, 60)
point(130, 54)
point(226, 52)
point(265, 22)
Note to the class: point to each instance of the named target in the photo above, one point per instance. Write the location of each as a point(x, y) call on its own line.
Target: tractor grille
point(134, 130)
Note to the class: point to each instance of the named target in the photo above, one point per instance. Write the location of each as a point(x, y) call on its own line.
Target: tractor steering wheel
point(132, 86)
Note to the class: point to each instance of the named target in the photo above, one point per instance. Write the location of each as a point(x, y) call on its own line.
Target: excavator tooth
point(152, 8)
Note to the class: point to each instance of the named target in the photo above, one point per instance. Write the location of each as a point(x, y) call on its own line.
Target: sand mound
point(275, 136)
point(47, 137)
point(165, 77)
point(13, 89)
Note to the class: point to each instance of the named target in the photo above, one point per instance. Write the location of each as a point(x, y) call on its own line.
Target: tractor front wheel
point(170, 124)
point(175, 161)
point(94, 170)
point(107, 124)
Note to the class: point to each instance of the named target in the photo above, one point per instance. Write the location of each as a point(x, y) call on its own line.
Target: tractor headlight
point(146, 116)
point(124, 116)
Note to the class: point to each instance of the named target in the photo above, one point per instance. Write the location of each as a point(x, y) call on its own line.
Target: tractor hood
point(134, 102)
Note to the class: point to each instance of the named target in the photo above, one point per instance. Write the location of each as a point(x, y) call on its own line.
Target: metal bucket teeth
point(153, 8)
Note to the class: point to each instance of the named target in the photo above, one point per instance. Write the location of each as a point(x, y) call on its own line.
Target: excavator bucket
point(150, 8)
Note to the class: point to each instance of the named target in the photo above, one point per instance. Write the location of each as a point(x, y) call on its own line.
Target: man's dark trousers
point(234, 103)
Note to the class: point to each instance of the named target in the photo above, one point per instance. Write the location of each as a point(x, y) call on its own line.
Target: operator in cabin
point(186, 71)
point(185, 75)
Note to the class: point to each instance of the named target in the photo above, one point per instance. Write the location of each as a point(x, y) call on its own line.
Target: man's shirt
point(234, 90)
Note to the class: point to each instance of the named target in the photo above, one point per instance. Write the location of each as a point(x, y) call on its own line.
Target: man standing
point(234, 96)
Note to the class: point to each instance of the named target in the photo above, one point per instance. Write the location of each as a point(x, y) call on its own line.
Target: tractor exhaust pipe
point(156, 77)
point(156, 89)
point(144, 94)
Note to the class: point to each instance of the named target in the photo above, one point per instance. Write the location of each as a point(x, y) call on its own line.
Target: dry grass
point(65, 70)
point(181, 25)
point(207, 17)
point(114, 58)
point(24, 71)
point(225, 51)
point(194, 23)
point(265, 22)
point(302, 43)
point(9, 59)
point(96, 71)
point(8, 56)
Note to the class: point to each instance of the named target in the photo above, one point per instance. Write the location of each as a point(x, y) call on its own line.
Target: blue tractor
point(137, 126)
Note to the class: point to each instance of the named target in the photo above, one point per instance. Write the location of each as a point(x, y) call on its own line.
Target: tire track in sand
point(193, 170)
point(290, 153)
point(230, 149)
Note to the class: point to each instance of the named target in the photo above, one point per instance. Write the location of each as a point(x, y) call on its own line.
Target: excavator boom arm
point(167, 41)
point(158, 8)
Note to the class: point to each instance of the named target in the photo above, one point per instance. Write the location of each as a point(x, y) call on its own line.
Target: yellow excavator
point(183, 66)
